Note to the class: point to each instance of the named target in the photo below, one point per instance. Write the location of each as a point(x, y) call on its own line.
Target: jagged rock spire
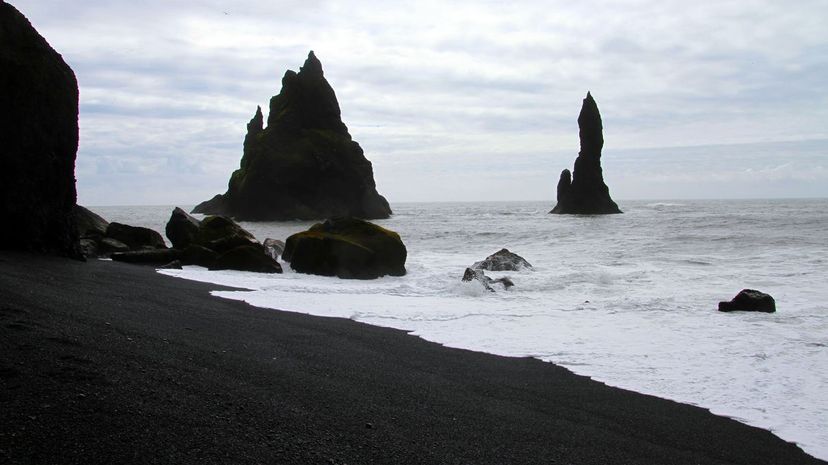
point(304, 164)
point(583, 191)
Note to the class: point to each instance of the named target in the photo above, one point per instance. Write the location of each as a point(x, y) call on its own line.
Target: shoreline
point(103, 361)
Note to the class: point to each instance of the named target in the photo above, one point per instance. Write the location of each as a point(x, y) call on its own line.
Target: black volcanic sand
point(104, 362)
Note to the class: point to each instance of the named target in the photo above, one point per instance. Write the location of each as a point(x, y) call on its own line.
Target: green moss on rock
point(347, 248)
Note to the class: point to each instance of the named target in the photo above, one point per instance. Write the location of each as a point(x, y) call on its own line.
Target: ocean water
point(628, 299)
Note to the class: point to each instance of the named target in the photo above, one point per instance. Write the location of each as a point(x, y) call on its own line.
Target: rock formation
point(347, 248)
point(480, 276)
point(502, 260)
point(749, 300)
point(39, 134)
point(304, 164)
point(583, 191)
point(216, 243)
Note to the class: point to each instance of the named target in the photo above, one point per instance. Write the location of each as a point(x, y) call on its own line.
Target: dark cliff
point(304, 164)
point(39, 134)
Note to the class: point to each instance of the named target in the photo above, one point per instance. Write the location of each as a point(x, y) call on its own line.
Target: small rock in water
point(274, 247)
point(749, 300)
point(480, 276)
point(502, 260)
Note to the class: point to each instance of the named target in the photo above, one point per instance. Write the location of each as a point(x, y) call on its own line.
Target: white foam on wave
point(618, 299)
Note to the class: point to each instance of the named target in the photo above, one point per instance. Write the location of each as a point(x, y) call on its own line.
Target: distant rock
point(749, 300)
point(304, 164)
point(502, 260)
point(108, 245)
point(135, 237)
point(274, 247)
point(347, 248)
point(38, 141)
point(584, 191)
point(247, 258)
point(181, 228)
point(478, 275)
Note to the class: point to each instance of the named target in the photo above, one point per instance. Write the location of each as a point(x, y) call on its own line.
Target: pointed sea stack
point(583, 191)
point(304, 164)
point(38, 141)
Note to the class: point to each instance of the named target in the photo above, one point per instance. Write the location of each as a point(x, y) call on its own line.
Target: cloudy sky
point(456, 100)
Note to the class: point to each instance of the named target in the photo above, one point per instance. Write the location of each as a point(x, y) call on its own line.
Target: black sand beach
point(103, 362)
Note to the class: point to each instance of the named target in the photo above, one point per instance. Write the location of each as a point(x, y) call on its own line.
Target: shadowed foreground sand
point(104, 362)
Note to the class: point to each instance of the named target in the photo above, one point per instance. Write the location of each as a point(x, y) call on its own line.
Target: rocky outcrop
point(502, 260)
point(347, 248)
point(749, 300)
point(216, 243)
point(39, 134)
point(304, 164)
point(583, 191)
point(478, 275)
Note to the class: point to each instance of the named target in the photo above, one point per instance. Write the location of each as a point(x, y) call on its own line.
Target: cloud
point(436, 90)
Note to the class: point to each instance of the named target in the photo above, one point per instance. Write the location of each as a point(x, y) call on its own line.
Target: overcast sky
point(456, 100)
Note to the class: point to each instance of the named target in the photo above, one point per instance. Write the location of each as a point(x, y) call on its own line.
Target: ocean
point(629, 300)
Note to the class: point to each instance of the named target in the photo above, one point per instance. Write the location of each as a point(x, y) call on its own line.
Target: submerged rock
point(479, 276)
point(38, 141)
point(304, 164)
point(347, 248)
point(749, 300)
point(583, 191)
point(502, 260)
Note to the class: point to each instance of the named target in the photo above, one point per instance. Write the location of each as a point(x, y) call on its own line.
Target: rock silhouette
point(583, 191)
point(39, 134)
point(304, 164)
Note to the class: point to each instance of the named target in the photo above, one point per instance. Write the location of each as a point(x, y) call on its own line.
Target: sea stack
point(304, 164)
point(38, 141)
point(583, 191)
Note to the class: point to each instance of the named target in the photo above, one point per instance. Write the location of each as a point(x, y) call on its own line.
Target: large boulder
point(347, 248)
point(304, 164)
point(38, 141)
point(583, 191)
point(181, 228)
point(135, 237)
point(502, 260)
point(749, 300)
point(246, 258)
point(220, 234)
point(88, 223)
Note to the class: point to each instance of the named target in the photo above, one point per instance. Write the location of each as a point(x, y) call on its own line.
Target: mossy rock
point(247, 258)
point(347, 248)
